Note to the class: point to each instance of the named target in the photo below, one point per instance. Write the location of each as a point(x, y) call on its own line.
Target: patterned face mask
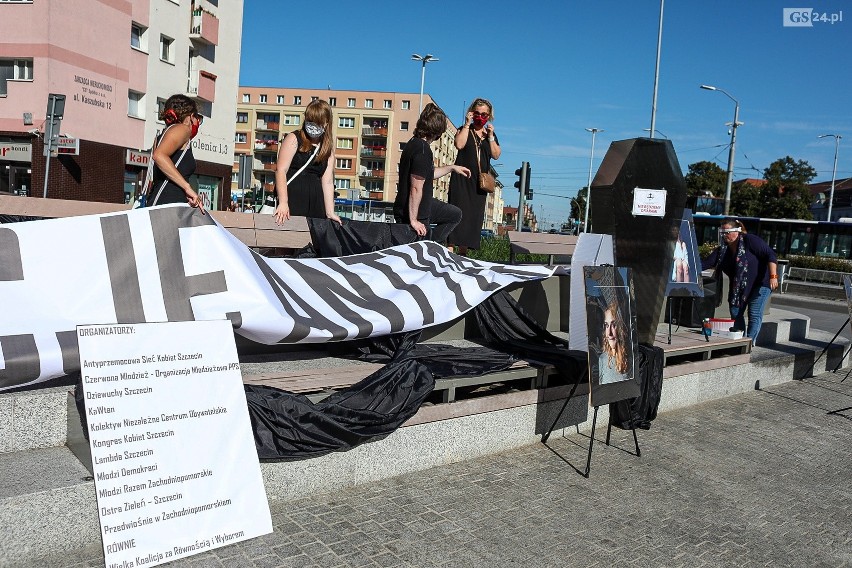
point(314, 130)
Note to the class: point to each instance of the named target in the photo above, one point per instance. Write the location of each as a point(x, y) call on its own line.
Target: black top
point(171, 193)
point(304, 194)
point(416, 160)
point(465, 193)
point(758, 255)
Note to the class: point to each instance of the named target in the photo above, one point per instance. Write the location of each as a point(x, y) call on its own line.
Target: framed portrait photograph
point(685, 276)
point(611, 327)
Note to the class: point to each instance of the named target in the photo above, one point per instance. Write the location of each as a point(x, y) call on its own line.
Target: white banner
point(171, 263)
point(175, 465)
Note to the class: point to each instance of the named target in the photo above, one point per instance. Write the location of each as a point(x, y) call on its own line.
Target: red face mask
point(193, 130)
point(480, 120)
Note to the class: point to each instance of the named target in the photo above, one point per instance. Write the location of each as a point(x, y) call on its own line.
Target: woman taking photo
point(750, 265)
point(477, 146)
point(172, 155)
point(304, 181)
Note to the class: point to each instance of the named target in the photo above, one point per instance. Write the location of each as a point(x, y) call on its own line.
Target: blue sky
point(554, 68)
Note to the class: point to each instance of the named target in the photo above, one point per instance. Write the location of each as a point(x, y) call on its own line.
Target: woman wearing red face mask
point(173, 159)
point(477, 146)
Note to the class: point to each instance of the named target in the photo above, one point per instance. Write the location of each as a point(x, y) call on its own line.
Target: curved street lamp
point(837, 138)
point(586, 223)
point(657, 131)
point(424, 59)
point(734, 125)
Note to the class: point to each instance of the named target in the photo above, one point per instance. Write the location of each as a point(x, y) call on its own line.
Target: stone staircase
point(48, 507)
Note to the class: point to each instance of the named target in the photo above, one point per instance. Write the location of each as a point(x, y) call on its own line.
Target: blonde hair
point(318, 112)
point(482, 102)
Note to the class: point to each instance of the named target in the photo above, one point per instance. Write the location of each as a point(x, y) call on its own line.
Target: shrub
point(820, 263)
point(496, 249)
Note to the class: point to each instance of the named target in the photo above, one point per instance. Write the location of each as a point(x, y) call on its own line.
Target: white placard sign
point(175, 465)
point(649, 202)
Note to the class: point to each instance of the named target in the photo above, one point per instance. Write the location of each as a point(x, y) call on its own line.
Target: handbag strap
point(166, 181)
point(306, 164)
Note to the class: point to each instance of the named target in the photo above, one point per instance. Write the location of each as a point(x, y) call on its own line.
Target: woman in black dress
point(477, 146)
point(309, 192)
point(173, 159)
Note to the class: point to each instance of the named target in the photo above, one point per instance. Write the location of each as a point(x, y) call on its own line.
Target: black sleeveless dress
point(465, 194)
point(171, 193)
point(304, 195)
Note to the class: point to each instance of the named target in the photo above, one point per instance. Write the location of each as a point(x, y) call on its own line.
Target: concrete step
point(783, 325)
point(33, 419)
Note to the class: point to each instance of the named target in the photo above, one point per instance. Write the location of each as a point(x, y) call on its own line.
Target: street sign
point(67, 145)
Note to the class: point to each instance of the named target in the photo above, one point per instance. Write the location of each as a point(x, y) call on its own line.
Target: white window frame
point(137, 100)
point(345, 122)
point(343, 163)
point(297, 99)
point(292, 119)
point(342, 183)
point(345, 143)
point(262, 99)
point(167, 49)
point(22, 70)
point(246, 98)
point(241, 137)
point(387, 104)
point(368, 103)
point(350, 102)
point(406, 105)
point(142, 37)
point(279, 99)
point(241, 114)
point(332, 101)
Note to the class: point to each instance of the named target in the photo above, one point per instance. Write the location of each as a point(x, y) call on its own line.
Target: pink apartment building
point(116, 61)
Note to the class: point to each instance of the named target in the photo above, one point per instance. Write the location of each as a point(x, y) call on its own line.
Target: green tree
point(785, 194)
point(705, 177)
point(578, 205)
point(747, 201)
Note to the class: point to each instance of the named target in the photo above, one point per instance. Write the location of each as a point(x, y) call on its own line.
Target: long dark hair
point(177, 108)
point(318, 112)
point(432, 123)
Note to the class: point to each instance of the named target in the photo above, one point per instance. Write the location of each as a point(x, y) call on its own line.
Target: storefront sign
point(649, 202)
point(16, 151)
point(68, 146)
point(134, 158)
point(175, 465)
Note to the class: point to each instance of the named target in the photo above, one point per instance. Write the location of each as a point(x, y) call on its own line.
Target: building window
point(387, 104)
point(373, 186)
point(342, 183)
point(314, 99)
point(332, 101)
point(403, 125)
point(138, 39)
point(242, 118)
point(235, 177)
point(297, 100)
point(343, 164)
point(350, 102)
point(406, 105)
point(166, 48)
point(368, 103)
point(161, 105)
point(292, 119)
point(344, 143)
point(136, 104)
point(346, 122)
point(279, 99)
point(263, 99)
point(246, 98)
point(240, 137)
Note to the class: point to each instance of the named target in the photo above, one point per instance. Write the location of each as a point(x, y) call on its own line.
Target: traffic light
point(524, 173)
point(528, 191)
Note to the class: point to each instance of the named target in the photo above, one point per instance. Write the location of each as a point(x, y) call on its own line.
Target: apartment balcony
point(369, 152)
point(266, 146)
point(204, 27)
point(372, 131)
point(373, 174)
point(201, 85)
point(269, 125)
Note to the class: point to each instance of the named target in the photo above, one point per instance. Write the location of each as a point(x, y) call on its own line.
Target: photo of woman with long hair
point(614, 361)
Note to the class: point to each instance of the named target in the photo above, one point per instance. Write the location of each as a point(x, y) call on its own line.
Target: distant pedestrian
point(414, 203)
point(172, 155)
point(751, 266)
point(304, 174)
point(477, 145)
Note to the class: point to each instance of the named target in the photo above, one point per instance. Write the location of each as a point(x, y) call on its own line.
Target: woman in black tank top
point(173, 159)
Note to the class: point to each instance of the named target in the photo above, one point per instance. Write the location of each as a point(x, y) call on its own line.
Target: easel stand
point(592, 435)
point(833, 339)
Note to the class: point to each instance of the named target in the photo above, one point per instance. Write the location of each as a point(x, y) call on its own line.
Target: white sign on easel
point(649, 202)
point(175, 465)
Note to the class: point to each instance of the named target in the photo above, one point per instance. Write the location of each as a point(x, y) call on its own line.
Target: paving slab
point(757, 479)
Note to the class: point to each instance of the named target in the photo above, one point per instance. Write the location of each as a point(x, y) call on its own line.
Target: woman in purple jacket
point(750, 264)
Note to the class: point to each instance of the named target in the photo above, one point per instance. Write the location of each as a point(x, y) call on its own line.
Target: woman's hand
point(468, 118)
point(335, 218)
point(489, 130)
point(418, 227)
point(282, 213)
point(461, 170)
point(773, 284)
point(194, 200)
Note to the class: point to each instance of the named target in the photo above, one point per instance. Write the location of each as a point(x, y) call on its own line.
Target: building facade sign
point(16, 151)
point(136, 158)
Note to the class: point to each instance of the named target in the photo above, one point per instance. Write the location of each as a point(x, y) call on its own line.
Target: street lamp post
point(837, 138)
point(424, 59)
point(657, 131)
point(734, 125)
point(586, 223)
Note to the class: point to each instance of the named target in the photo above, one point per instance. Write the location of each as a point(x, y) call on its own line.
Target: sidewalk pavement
point(758, 479)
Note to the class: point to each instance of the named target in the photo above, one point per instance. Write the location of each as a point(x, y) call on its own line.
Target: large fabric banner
point(172, 263)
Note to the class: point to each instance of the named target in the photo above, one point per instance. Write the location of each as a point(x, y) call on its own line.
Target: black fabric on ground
point(355, 237)
point(18, 218)
point(640, 411)
point(288, 426)
point(508, 328)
